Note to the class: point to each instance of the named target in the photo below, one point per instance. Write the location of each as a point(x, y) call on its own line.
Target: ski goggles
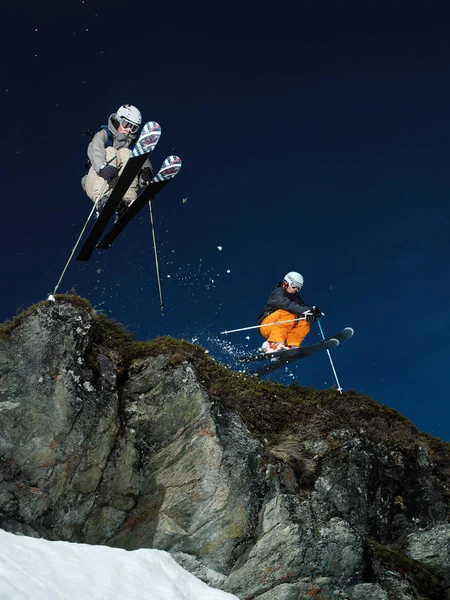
point(129, 126)
point(294, 285)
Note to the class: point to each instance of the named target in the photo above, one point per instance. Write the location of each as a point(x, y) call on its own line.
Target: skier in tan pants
point(108, 153)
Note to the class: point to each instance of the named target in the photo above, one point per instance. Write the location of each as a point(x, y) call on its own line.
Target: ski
point(285, 354)
point(302, 352)
point(341, 336)
point(284, 357)
point(151, 132)
point(169, 169)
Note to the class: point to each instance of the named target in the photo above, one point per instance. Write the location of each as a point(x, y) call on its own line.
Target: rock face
point(156, 450)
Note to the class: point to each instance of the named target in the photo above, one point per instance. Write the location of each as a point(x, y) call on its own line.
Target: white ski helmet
point(294, 279)
point(131, 114)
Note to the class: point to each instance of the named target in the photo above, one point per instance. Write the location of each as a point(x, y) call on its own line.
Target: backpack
point(92, 132)
point(110, 141)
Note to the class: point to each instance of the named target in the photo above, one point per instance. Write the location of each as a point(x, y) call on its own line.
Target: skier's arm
point(278, 299)
point(97, 149)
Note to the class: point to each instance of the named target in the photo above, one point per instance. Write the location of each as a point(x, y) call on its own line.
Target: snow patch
point(36, 569)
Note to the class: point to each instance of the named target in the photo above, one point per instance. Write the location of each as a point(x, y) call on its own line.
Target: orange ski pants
point(291, 334)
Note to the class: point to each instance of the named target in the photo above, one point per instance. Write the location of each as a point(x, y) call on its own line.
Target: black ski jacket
point(279, 298)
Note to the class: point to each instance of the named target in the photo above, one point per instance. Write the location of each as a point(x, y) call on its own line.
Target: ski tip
point(170, 167)
point(332, 343)
point(149, 137)
point(349, 332)
point(151, 126)
point(173, 159)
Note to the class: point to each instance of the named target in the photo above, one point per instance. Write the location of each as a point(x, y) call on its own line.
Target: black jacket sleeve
point(280, 299)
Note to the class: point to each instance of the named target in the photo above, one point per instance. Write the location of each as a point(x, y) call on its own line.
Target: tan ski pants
point(96, 187)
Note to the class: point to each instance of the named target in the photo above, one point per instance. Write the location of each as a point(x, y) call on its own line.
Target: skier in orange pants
point(278, 316)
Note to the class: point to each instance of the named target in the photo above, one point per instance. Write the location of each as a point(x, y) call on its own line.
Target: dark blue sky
point(312, 140)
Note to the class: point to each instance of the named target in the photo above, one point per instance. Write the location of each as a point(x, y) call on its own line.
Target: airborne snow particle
point(228, 271)
point(219, 247)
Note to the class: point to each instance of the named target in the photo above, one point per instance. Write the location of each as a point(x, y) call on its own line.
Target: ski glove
point(145, 177)
point(312, 314)
point(108, 172)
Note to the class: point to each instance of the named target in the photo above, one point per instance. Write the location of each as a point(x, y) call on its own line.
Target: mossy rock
point(269, 409)
point(422, 579)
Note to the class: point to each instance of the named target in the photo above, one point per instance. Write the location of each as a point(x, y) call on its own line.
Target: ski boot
point(100, 205)
point(121, 209)
point(269, 347)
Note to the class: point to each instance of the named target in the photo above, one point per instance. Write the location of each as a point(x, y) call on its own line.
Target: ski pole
point(102, 191)
point(331, 360)
point(161, 304)
point(267, 325)
point(51, 297)
point(72, 253)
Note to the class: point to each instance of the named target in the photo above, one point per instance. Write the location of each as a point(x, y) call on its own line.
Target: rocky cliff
point(266, 491)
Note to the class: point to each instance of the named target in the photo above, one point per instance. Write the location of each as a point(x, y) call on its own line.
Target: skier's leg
point(277, 332)
point(298, 333)
point(95, 185)
point(131, 193)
